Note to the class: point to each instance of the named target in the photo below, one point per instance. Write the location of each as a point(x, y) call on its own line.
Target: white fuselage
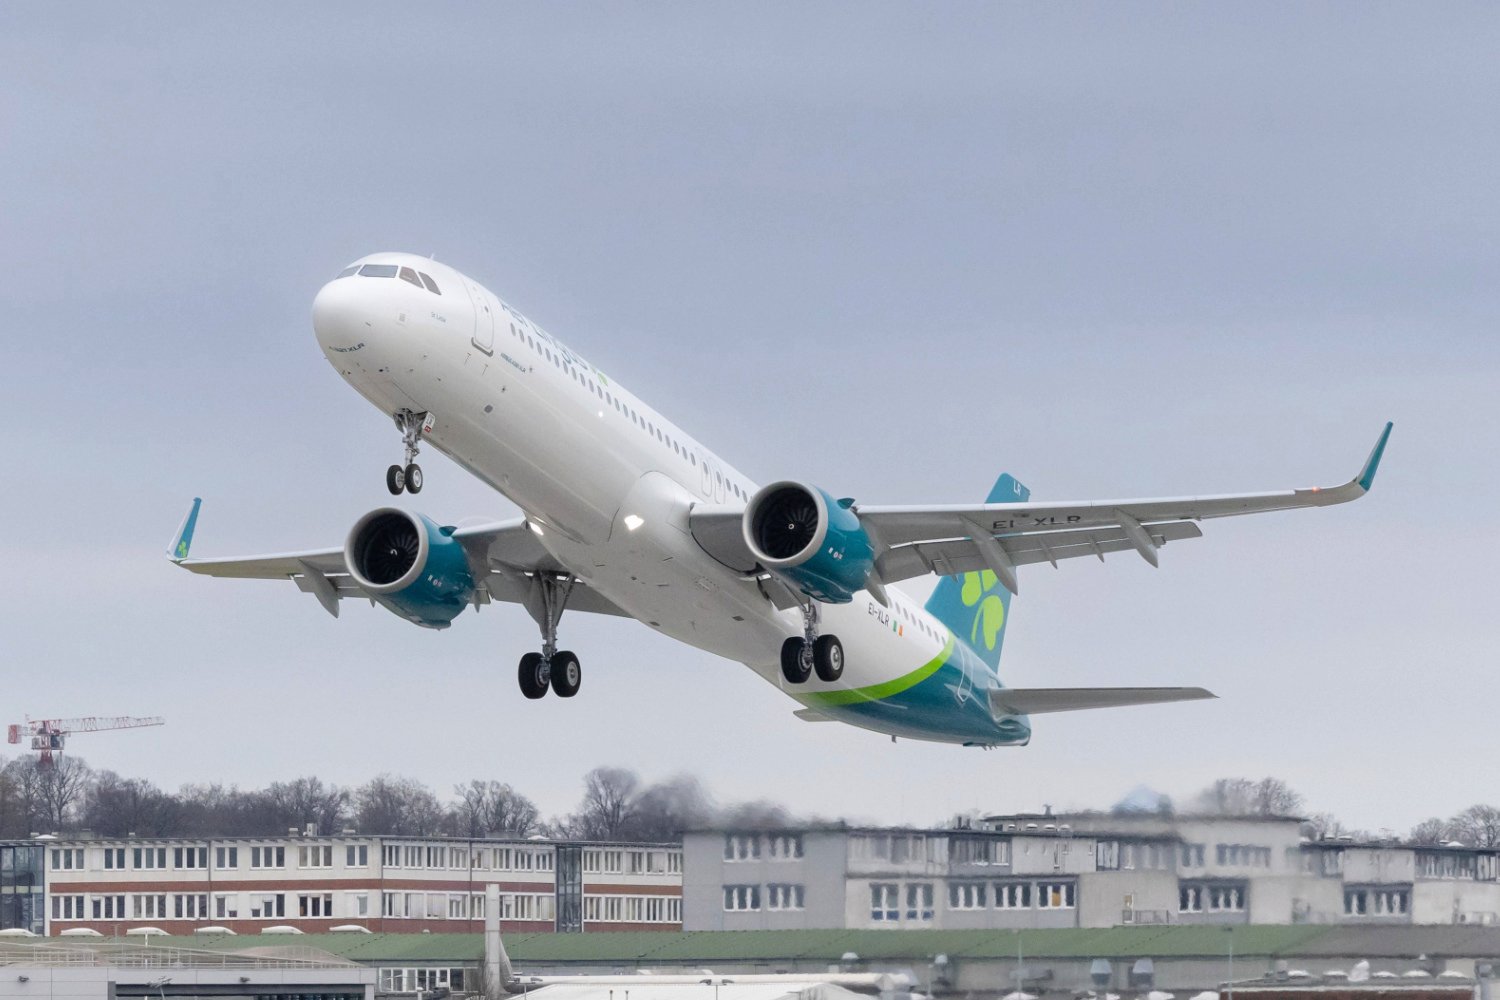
point(607, 481)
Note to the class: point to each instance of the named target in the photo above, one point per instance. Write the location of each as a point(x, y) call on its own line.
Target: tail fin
point(976, 606)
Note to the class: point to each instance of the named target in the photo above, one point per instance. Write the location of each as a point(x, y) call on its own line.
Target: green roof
point(645, 948)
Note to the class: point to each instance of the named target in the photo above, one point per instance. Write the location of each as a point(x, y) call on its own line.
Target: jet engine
point(410, 565)
point(811, 541)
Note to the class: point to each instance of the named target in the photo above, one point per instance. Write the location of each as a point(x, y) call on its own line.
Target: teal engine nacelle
point(810, 541)
point(410, 565)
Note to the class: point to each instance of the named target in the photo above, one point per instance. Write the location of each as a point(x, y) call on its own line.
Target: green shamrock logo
point(991, 613)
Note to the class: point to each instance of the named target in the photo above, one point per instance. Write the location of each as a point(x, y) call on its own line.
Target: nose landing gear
point(407, 479)
point(551, 668)
point(803, 655)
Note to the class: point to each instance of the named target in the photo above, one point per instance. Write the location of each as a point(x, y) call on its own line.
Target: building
point(312, 883)
point(1085, 870)
point(107, 970)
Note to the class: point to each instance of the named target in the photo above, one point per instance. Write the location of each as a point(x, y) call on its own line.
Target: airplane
point(624, 513)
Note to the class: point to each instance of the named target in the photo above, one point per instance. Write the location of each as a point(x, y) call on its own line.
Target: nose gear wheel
point(407, 478)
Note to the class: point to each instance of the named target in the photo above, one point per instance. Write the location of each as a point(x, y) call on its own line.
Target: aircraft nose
point(341, 319)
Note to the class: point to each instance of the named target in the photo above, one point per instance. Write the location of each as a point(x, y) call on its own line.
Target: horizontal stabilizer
point(813, 715)
point(1039, 701)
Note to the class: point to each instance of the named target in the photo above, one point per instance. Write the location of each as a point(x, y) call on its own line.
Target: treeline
point(68, 796)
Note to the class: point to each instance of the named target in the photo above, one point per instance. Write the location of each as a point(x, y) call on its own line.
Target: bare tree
point(1431, 831)
point(605, 809)
point(307, 802)
point(491, 808)
point(1244, 797)
point(399, 806)
point(1478, 826)
point(117, 807)
point(1274, 797)
point(61, 785)
point(761, 814)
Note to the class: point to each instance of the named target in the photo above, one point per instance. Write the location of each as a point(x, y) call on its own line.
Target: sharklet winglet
point(183, 540)
point(1366, 477)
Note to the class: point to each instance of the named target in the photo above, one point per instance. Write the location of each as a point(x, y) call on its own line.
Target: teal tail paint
point(976, 606)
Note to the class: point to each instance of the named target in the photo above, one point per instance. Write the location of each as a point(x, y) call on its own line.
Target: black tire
point(794, 668)
point(395, 480)
point(828, 658)
point(567, 674)
point(414, 478)
point(533, 675)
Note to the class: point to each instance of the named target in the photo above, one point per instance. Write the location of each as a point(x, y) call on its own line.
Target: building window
point(148, 907)
point(741, 847)
point(1012, 895)
point(357, 856)
point(315, 905)
point(741, 897)
point(1107, 855)
point(146, 858)
point(1226, 898)
point(967, 895)
point(315, 856)
point(978, 851)
point(114, 859)
point(189, 857)
point(268, 857)
point(226, 857)
point(189, 906)
point(1190, 898)
point(68, 907)
point(783, 896)
point(226, 905)
point(1054, 895)
point(919, 901)
point(109, 907)
point(785, 847)
point(1356, 904)
point(67, 859)
point(885, 902)
point(268, 905)
point(1192, 855)
point(390, 856)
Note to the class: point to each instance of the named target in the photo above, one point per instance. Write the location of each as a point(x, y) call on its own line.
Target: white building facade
point(1077, 871)
point(395, 884)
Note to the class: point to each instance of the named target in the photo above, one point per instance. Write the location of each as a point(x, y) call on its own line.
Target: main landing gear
point(409, 477)
point(551, 668)
point(811, 652)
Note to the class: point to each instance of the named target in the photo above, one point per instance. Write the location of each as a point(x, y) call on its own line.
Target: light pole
point(1230, 931)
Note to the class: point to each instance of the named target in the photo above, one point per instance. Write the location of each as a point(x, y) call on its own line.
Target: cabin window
point(407, 274)
point(346, 272)
point(433, 288)
point(378, 271)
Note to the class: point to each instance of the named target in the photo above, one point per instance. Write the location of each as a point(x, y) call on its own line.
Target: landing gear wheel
point(828, 658)
point(533, 675)
point(414, 478)
point(567, 675)
point(794, 666)
point(395, 480)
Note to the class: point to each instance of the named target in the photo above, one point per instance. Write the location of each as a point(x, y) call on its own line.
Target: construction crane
point(48, 736)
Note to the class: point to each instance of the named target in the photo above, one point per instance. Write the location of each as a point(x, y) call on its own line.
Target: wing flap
point(1040, 701)
point(961, 555)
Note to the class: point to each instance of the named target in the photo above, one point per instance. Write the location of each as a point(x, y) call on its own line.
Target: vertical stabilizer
point(976, 606)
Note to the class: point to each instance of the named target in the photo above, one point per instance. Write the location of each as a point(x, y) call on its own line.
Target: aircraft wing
point(1039, 701)
point(504, 555)
point(953, 539)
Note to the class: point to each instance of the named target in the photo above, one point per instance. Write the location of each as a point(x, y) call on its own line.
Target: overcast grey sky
point(1113, 249)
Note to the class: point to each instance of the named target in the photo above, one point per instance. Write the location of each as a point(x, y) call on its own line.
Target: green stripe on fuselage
point(885, 689)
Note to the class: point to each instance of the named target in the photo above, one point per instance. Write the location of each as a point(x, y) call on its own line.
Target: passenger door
point(484, 318)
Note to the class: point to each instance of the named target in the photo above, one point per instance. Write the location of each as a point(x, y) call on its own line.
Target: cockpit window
point(378, 271)
point(431, 285)
point(407, 274)
point(346, 272)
